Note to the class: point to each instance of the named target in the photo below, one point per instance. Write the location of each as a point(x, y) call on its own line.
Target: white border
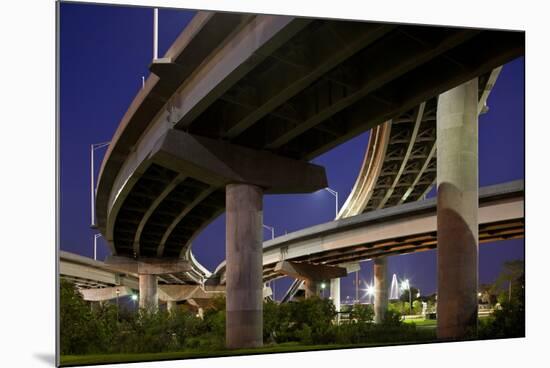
point(27, 184)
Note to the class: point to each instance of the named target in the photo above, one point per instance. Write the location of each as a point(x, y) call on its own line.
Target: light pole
point(155, 33)
point(117, 294)
point(405, 285)
point(94, 147)
point(370, 292)
point(335, 194)
point(96, 236)
point(270, 228)
point(357, 287)
point(323, 286)
point(134, 298)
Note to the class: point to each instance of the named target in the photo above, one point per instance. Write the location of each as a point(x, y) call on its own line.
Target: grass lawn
point(72, 360)
point(422, 322)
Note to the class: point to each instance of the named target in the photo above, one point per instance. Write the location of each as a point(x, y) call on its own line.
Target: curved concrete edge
point(132, 127)
point(491, 193)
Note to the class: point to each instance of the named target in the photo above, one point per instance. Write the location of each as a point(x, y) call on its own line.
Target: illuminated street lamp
point(370, 291)
point(117, 294)
point(323, 286)
point(134, 298)
point(405, 285)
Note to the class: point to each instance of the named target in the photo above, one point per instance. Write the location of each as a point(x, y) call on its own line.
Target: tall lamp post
point(335, 194)
point(117, 294)
point(270, 228)
point(96, 236)
point(155, 33)
point(405, 285)
point(93, 148)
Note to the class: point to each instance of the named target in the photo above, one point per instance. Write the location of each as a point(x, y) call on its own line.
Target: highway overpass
point(402, 229)
point(238, 106)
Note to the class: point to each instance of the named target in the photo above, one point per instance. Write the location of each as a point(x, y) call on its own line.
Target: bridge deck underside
point(330, 81)
point(419, 242)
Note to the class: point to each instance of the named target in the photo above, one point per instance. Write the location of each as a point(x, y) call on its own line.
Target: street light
point(155, 33)
point(96, 236)
point(270, 228)
point(335, 194)
point(370, 291)
point(405, 285)
point(94, 147)
point(323, 286)
point(117, 294)
point(134, 298)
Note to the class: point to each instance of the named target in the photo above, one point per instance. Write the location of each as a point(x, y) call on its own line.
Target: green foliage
point(509, 319)
point(362, 313)
point(87, 330)
point(83, 329)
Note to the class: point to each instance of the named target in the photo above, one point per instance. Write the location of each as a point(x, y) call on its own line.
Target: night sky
point(105, 51)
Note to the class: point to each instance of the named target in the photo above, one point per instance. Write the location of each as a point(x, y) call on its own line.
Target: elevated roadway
point(238, 106)
point(299, 89)
point(402, 229)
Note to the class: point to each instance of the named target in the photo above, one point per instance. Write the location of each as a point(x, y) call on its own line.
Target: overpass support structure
point(312, 275)
point(148, 269)
point(380, 288)
point(246, 174)
point(243, 241)
point(457, 211)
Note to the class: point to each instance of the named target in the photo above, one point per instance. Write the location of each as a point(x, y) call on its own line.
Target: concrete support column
point(380, 288)
point(148, 292)
point(171, 305)
point(335, 295)
point(244, 287)
point(311, 288)
point(457, 207)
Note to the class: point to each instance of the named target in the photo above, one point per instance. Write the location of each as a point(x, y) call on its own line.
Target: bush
point(362, 313)
point(87, 330)
point(509, 321)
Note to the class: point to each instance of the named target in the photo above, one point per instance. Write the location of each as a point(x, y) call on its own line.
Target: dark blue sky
point(104, 52)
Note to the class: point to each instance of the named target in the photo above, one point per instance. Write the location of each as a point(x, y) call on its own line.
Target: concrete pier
point(380, 288)
point(335, 295)
point(311, 288)
point(457, 211)
point(148, 292)
point(171, 305)
point(244, 287)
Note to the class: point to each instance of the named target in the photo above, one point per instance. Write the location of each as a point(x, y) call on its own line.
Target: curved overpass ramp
point(402, 229)
point(245, 101)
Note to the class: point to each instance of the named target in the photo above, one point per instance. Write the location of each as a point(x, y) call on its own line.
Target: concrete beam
point(147, 265)
point(185, 292)
point(308, 271)
point(219, 163)
point(108, 293)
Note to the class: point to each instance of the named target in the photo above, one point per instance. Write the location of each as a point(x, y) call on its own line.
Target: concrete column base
point(148, 292)
point(312, 288)
point(244, 286)
point(380, 289)
point(171, 305)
